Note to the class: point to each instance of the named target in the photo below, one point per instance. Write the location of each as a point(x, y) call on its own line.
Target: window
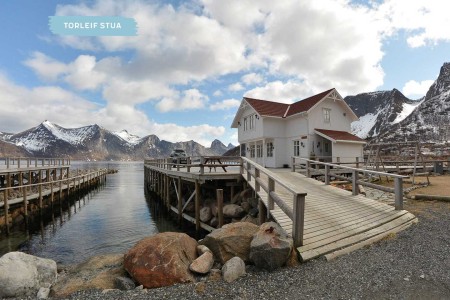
point(269, 151)
point(326, 147)
point(296, 148)
point(259, 152)
point(252, 151)
point(252, 122)
point(326, 115)
point(245, 124)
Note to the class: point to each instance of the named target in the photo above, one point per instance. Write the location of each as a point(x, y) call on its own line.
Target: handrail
point(167, 164)
point(398, 179)
point(17, 162)
point(295, 213)
point(85, 176)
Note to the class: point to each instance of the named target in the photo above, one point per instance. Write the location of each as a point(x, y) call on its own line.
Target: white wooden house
point(270, 133)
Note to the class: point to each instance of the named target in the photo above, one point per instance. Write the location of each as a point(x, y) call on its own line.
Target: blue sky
point(183, 76)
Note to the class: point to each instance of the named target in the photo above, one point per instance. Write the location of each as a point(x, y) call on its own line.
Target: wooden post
point(202, 166)
point(398, 188)
point(197, 205)
point(299, 219)
point(308, 169)
point(293, 164)
point(178, 164)
point(338, 160)
point(188, 167)
point(40, 190)
point(180, 203)
point(5, 201)
point(249, 175)
point(220, 207)
point(167, 193)
point(357, 162)
point(262, 212)
point(257, 175)
point(327, 174)
point(354, 184)
point(25, 202)
point(270, 202)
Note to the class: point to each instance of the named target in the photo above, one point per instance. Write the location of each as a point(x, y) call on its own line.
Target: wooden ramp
point(335, 221)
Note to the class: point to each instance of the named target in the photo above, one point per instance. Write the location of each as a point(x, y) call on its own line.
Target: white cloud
point(235, 87)
point(413, 88)
point(423, 21)
point(45, 67)
point(202, 134)
point(187, 100)
point(281, 92)
point(217, 93)
point(252, 78)
point(225, 104)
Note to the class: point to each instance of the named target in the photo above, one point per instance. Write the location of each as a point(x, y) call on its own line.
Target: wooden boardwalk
point(335, 221)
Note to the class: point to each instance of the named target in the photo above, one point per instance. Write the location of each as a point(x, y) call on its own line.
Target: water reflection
point(110, 219)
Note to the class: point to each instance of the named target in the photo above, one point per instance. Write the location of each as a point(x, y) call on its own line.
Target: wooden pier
point(39, 182)
point(322, 219)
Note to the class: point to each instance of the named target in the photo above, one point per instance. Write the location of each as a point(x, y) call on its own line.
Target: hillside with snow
point(389, 116)
point(96, 143)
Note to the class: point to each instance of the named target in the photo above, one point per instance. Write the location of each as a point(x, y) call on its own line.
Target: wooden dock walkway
point(334, 218)
point(331, 222)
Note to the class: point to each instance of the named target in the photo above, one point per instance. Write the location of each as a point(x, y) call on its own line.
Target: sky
point(183, 76)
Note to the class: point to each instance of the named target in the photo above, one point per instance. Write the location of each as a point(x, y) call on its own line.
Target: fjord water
point(110, 219)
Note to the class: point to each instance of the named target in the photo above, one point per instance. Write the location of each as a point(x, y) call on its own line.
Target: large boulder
point(162, 259)
point(231, 240)
point(24, 275)
point(98, 272)
point(233, 269)
point(271, 246)
point(233, 211)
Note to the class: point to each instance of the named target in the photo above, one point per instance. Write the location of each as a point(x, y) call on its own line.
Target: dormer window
point(326, 115)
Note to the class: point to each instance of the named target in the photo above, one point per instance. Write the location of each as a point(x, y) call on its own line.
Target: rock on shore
point(23, 275)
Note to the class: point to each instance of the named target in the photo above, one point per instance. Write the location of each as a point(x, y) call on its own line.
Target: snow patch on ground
point(362, 127)
point(406, 111)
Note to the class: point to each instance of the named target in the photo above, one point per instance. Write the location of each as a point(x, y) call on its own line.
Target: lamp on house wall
point(301, 144)
point(239, 123)
point(257, 117)
point(318, 144)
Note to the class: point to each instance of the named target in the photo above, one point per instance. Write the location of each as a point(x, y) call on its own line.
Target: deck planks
point(335, 221)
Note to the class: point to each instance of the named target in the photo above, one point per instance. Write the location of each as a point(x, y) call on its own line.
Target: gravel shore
point(414, 264)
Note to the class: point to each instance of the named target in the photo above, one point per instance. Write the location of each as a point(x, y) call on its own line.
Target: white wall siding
point(337, 119)
point(347, 152)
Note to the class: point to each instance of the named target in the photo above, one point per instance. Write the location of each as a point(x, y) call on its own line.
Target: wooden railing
point(28, 162)
point(354, 179)
point(200, 162)
point(296, 213)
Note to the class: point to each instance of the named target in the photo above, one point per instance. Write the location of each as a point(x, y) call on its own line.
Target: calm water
point(110, 219)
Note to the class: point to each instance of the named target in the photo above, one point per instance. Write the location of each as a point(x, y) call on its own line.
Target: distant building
point(270, 133)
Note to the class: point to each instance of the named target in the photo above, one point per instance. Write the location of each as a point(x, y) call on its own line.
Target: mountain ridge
point(94, 142)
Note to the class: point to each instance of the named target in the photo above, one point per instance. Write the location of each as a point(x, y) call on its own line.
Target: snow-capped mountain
point(430, 121)
point(390, 116)
point(377, 111)
point(95, 143)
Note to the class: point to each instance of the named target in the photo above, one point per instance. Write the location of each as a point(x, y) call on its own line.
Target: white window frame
point(269, 149)
point(252, 151)
point(326, 115)
point(245, 123)
point(296, 147)
point(259, 150)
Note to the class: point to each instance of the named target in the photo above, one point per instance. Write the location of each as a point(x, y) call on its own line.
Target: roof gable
point(282, 110)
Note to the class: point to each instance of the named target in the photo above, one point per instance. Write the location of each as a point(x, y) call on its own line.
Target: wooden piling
point(197, 205)
point(220, 207)
point(180, 203)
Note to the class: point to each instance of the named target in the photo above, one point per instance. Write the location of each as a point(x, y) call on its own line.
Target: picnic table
point(213, 160)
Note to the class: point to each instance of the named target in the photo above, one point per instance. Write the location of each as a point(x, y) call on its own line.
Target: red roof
point(340, 135)
point(276, 109)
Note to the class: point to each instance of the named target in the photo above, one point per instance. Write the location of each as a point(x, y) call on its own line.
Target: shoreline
point(412, 264)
